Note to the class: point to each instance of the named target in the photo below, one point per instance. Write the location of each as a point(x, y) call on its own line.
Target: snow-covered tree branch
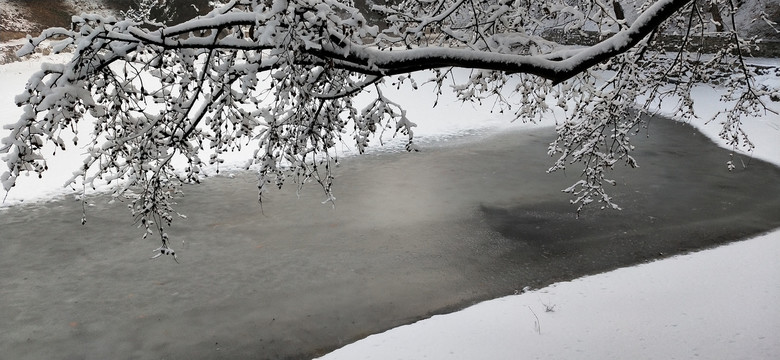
point(282, 77)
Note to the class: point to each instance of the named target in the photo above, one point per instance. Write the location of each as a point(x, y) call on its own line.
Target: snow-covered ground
point(720, 303)
point(449, 119)
point(13, 77)
point(715, 304)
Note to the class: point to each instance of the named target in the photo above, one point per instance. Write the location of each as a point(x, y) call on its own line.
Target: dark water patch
point(681, 199)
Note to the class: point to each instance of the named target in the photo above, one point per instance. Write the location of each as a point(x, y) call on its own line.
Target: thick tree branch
point(565, 65)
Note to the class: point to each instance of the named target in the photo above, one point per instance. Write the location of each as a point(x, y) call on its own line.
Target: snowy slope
point(751, 16)
point(17, 17)
point(447, 120)
point(13, 17)
point(715, 304)
point(749, 20)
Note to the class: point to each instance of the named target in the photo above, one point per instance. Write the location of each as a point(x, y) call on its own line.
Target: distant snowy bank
point(448, 120)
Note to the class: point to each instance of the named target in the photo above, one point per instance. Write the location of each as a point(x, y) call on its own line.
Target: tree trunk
point(715, 12)
point(619, 14)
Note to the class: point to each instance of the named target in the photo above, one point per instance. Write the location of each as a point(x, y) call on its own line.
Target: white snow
point(449, 119)
point(13, 77)
point(715, 304)
point(764, 131)
point(13, 17)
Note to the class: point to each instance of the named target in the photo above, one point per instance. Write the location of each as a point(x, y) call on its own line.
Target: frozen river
point(411, 235)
